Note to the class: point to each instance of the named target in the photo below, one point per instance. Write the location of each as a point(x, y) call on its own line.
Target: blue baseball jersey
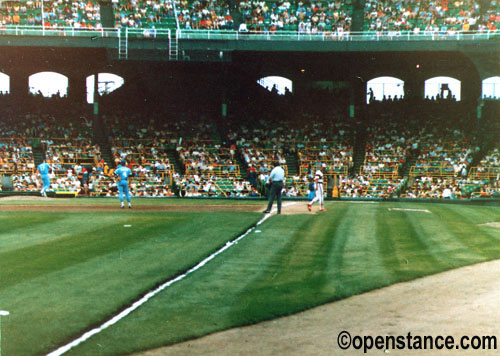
point(44, 168)
point(123, 173)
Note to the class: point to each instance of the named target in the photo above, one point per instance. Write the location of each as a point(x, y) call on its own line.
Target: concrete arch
point(491, 87)
point(443, 86)
point(281, 84)
point(106, 82)
point(48, 84)
point(385, 86)
point(4, 83)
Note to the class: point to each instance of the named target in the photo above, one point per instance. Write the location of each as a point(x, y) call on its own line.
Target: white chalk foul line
point(273, 210)
point(414, 210)
point(148, 296)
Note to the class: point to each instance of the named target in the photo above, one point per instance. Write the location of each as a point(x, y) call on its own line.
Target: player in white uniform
point(318, 184)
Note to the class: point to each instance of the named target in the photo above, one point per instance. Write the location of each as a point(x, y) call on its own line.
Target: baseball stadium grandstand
point(395, 103)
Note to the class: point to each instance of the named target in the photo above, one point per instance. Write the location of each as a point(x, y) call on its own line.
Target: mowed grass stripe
point(60, 302)
point(362, 251)
point(477, 217)
point(55, 254)
point(19, 229)
point(404, 238)
point(477, 239)
point(51, 226)
point(297, 271)
point(441, 242)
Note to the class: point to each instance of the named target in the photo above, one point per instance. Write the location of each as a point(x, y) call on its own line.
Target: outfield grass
point(62, 272)
point(295, 262)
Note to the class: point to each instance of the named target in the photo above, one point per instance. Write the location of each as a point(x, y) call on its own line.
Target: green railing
point(335, 36)
point(153, 33)
point(59, 31)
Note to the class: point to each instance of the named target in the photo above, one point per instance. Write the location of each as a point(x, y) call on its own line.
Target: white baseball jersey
point(318, 176)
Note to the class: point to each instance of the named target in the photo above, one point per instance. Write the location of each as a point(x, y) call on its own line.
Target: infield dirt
point(288, 207)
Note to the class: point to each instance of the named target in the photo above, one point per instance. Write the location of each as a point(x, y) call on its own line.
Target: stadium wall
point(178, 81)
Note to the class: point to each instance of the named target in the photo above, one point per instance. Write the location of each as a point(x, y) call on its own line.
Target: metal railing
point(153, 33)
point(432, 171)
point(336, 36)
point(94, 33)
point(484, 172)
point(57, 32)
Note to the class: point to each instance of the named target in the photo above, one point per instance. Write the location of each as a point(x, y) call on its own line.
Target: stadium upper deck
point(181, 27)
point(295, 15)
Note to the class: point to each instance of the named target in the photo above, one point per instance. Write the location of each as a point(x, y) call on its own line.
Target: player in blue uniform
point(43, 169)
point(123, 172)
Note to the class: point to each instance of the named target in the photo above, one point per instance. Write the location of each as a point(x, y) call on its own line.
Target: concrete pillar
point(19, 84)
point(414, 88)
point(358, 98)
point(77, 88)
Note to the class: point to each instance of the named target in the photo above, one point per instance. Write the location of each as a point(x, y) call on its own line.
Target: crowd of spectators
point(74, 178)
point(315, 143)
point(62, 153)
point(326, 143)
point(176, 131)
point(212, 160)
point(205, 15)
point(427, 17)
point(308, 17)
point(388, 145)
point(211, 157)
point(332, 18)
point(262, 159)
point(141, 183)
point(16, 156)
point(440, 147)
point(434, 187)
point(139, 14)
point(337, 158)
point(147, 158)
point(447, 152)
point(451, 188)
point(194, 185)
point(489, 165)
point(365, 186)
point(144, 144)
point(206, 166)
point(56, 13)
point(19, 133)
